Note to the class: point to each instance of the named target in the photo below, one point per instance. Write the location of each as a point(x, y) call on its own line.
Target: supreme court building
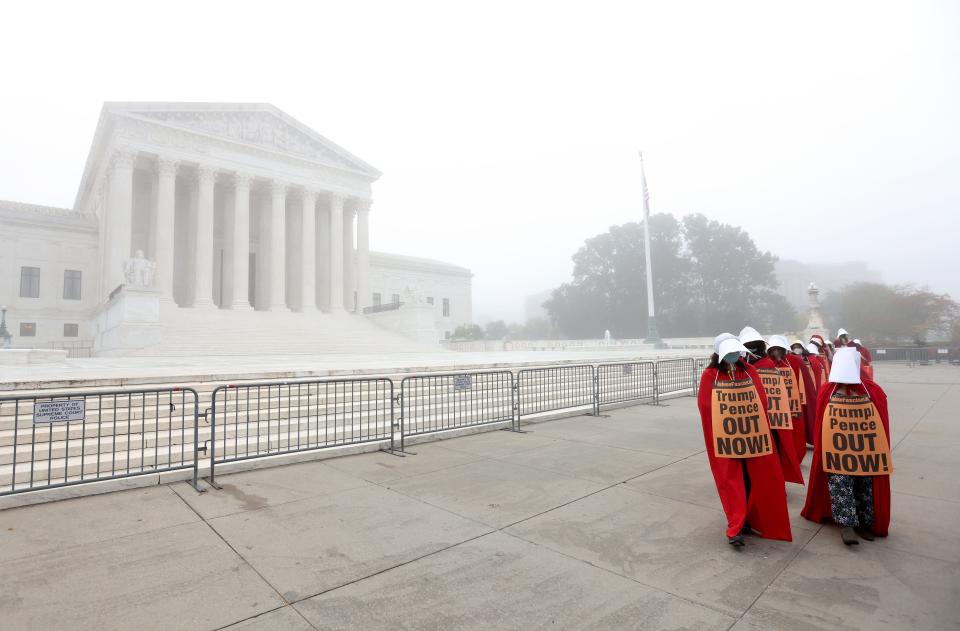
point(189, 210)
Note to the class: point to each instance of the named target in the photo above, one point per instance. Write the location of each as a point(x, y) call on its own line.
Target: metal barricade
point(909, 355)
point(699, 365)
point(630, 381)
point(257, 420)
point(555, 388)
point(69, 438)
point(675, 375)
point(440, 402)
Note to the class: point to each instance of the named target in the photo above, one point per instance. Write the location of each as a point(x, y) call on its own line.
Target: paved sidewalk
point(581, 523)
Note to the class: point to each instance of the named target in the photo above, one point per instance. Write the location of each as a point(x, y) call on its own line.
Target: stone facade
point(442, 286)
point(222, 206)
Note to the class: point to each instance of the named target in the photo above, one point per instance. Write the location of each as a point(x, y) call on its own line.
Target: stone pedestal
point(415, 321)
point(814, 319)
point(130, 319)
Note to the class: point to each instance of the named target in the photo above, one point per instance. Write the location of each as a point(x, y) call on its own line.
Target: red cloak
point(809, 411)
point(817, 507)
point(787, 438)
point(816, 366)
point(766, 506)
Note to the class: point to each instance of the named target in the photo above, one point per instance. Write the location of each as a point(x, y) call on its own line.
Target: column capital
point(167, 166)
point(123, 157)
point(362, 205)
point(242, 180)
point(279, 187)
point(206, 174)
point(309, 195)
point(337, 199)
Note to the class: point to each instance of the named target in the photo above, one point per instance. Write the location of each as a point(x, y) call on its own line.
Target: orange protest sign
point(778, 402)
point(853, 439)
point(809, 370)
point(740, 428)
point(790, 383)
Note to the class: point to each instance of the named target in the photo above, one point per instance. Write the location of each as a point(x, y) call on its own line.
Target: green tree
point(468, 332)
point(608, 290)
point(496, 330)
point(890, 314)
point(708, 277)
point(536, 329)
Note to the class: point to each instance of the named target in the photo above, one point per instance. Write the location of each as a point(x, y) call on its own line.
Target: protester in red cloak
point(819, 504)
point(823, 351)
point(817, 367)
point(866, 367)
point(800, 362)
point(751, 490)
point(785, 439)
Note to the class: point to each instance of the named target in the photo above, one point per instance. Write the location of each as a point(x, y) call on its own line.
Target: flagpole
point(653, 337)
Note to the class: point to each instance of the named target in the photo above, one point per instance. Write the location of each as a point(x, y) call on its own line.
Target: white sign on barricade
point(58, 411)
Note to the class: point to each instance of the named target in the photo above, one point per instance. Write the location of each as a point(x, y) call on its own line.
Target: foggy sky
point(508, 132)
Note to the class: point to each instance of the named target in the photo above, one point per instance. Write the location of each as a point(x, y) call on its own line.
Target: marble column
point(308, 252)
point(203, 247)
point(120, 218)
point(163, 227)
point(349, 260)
point(277, 278)
point(240, 251)
point(363, 255)
point(336, 253)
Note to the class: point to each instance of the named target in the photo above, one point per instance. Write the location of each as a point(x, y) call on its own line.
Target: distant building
point(795, 278)
point(445, 286)
point(533, 305)
point(189, 217)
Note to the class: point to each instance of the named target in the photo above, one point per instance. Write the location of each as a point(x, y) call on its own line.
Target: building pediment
point(260, 125)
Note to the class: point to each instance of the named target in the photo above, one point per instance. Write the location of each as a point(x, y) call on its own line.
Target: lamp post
point(5, 337)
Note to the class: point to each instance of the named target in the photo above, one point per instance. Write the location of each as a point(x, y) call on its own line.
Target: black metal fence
point(675, 375)
point(630, 381)
point(440, 402)
point(933, 354)
point(555, 388)
point(68, 438)
point(256, 420)
point(71, 438)
point(75, 350)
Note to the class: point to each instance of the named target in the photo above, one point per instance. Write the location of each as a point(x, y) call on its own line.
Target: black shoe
point(746, 529)
point(736, 540)
point(848, 536)
point(864, 532)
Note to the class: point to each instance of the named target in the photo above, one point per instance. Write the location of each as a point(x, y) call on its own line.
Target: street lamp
point(5, 337)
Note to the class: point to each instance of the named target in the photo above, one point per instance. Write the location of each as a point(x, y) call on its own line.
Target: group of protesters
point(763, 401)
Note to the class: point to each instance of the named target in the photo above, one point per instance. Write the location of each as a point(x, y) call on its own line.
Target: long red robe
point(816, 366)
point(787, 438)
point(766, 506)
point(809, 412)
point(810, 407)
point(817, 507)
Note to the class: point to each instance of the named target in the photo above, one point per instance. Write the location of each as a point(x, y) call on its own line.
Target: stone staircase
point(211, 332)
